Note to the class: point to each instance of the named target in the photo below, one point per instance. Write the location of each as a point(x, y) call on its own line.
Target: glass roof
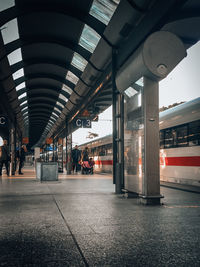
point(59, 104)
point(89, 38)
point(55, 108)
point(72, 77)
point(18, 74)
point(103, 9)
point(79, 62)
point(61, 96)
point(130, 92)
point(55, 114)
point(25, 102)
point(52, 118)
point(15, 56)
point(25, 108)
point(5, 4)
point(67, 89)
point(10, 31)
point(22, 95)
point(20, 86)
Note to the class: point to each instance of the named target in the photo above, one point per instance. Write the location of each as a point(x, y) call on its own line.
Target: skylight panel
point(71, 77)
point(25, 102)
point(10, 31)
point(22, 95)
point(79, 62)
point(20, 86)
point(67, 89)
point(57, 109)
point(25, 113)
point(130, 92)
point(55, 114)
point(89, 38)
point(18, 74)
point(61, 96)
point(15, 56)
point(24, 108)
point(60, 104)
point(52, 118)
point(6, 4)
point(103, 9)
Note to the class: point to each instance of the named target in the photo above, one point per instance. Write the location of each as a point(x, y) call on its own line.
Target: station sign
point(3, 121)
point(49, 141)
point(25, 140)
point(82, 123)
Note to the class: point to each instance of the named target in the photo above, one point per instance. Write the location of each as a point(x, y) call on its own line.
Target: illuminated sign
point(3, 120)
point(82, 123)
point(25, 140)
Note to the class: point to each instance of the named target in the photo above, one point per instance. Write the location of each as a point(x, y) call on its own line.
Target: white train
point(179, 145)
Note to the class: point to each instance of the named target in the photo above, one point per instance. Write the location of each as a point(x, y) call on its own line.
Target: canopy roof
point(55, 56)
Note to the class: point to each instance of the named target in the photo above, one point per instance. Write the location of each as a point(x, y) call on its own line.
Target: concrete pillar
point(151, 178)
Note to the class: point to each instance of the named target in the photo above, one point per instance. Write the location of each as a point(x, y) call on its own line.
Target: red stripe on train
point(168, 161)
point(182, 161)
point(103, 162)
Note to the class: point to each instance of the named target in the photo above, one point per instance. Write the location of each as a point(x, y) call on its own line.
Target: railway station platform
point(79, 221)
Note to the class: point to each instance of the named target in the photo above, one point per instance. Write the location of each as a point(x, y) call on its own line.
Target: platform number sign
point(3, 121)
point(83, 123)
point(86, 123)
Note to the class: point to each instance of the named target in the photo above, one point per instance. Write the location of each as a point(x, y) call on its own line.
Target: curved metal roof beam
point(19, 11)
point(43, 99)
point(29, 40)
point(46, 76)
point(66, 66)
point(46, 105)
point(49, 91)
point(43, 111)
point(41, 117)
point(51, 61)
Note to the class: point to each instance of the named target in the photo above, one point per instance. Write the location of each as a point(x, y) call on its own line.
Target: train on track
point(179, 145)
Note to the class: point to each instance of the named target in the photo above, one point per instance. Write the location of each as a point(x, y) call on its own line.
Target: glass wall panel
point(133, 138)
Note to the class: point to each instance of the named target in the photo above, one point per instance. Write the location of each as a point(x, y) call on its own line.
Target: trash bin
point(47, 171)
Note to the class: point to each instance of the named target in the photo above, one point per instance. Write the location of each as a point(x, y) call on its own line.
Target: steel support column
point(12, 150)
point(118, 130)
point(68, 148)
point(114, 106)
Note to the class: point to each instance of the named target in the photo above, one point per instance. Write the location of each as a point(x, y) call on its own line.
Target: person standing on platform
point(4, 157)
point(76, 156)
point(21, 157)
point(85, 155)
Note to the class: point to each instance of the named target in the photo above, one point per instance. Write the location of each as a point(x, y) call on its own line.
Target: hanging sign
point(25, 140)
point(82, 123)
point(3, 121)
point(49, 141)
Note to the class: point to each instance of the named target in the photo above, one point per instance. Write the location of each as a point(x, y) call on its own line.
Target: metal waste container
point(47, 171)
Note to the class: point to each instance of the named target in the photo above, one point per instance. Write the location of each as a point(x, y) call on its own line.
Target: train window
point(109, 149)
point(162, 138)
point(182, 135)
point(194, 133)
point(169, 138)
